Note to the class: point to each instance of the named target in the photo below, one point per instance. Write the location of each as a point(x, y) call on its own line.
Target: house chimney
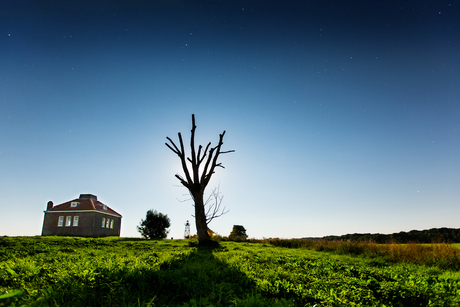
point(49, 206)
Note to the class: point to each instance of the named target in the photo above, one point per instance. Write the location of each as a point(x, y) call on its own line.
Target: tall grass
point(443, 256)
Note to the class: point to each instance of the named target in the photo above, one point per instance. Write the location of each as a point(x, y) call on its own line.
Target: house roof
point(84, 204)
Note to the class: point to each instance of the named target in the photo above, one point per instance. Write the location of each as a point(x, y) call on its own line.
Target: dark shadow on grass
point(203, 279)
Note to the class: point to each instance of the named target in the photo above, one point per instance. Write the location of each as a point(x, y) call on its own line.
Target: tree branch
point(181, 153)
point(213, 210)
point(195, 165)
point(204, 175)
point(184, 162)
point(175, 149)
point(184, 183)
point(198, 155)
point(214, 162)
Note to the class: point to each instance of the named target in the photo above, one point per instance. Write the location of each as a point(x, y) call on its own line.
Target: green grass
point(64, 271)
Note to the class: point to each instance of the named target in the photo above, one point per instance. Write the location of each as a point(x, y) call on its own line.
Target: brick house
point(83, 217)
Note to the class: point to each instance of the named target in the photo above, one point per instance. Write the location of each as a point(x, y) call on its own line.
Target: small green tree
point(238, 233)
point(154, 226)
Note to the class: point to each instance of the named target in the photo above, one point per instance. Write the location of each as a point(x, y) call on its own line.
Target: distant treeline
point(434, 235)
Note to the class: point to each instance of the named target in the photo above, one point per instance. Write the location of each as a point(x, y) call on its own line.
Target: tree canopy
point(154, 226)
point(238, 233)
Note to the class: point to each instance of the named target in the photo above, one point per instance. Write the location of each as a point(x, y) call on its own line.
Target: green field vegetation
point(441, 255)
point(433, 235)
point(64, 271)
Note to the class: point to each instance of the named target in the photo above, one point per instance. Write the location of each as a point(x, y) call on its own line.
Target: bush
point(238, 234)
point(154, 226)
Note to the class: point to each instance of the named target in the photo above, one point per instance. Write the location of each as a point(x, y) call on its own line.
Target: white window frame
point(74, 204)
point(61, 221)
point(103, 222)
point(111, 224)
point(107, 223)
point(68, 221)
point(76, 219)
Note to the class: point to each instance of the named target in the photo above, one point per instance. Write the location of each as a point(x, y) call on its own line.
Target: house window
point(107, 223)
point(104, 207)
point(75, 220)
point(74, 204)
point(61, 221)
point(68, 221)
point(111, 224)
point(103, 222)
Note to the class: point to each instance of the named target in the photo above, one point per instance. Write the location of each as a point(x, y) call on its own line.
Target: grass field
point(441, 255)
point(63, 271)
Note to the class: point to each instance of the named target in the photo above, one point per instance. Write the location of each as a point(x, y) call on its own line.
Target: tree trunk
point(200, 217)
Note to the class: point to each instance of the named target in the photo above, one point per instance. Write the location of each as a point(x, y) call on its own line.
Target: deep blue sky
point(344, 115)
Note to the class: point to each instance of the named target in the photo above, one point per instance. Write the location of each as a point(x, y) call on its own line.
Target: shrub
point(154, 226)
point(238, 234)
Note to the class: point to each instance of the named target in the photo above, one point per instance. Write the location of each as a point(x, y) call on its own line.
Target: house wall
point(89, 224)
point(99, 231)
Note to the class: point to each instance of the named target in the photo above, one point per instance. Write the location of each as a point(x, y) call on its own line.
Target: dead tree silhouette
point(195, 182)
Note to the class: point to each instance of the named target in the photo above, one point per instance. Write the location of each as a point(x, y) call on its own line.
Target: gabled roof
point(84, 204)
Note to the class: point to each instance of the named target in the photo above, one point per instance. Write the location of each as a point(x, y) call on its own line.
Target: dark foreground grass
point(59, 271)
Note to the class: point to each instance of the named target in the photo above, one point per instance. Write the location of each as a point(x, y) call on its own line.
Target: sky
point(344, 115)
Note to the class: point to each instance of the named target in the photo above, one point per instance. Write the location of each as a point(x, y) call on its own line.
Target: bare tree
point(195, 182)
point(212, 206)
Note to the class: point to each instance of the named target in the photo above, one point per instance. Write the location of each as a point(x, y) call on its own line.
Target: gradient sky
point(344, 115)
